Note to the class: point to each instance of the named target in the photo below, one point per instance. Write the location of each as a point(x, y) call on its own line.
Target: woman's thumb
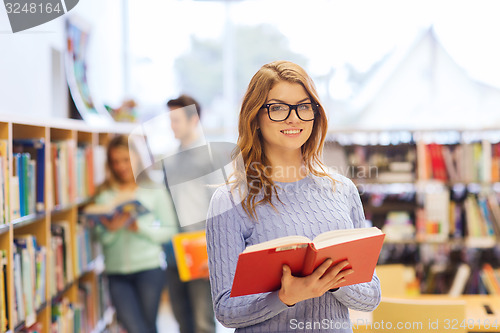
point(286, 270)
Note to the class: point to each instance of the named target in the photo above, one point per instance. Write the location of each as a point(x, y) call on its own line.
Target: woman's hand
point(296, 289)
point(116, 222)
point(133, 226)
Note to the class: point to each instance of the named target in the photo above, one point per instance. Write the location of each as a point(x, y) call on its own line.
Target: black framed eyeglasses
point(281, 111)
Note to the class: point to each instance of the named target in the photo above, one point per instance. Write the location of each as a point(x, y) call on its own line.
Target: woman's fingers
point(105, 221)
point(338, 279)
point(334, 270)
point(318, 272)
point(335, 274)
point(296, 289)
point(335, 284)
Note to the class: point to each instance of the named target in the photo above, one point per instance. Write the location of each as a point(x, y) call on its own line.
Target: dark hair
point(183, 101)
point(119, 141)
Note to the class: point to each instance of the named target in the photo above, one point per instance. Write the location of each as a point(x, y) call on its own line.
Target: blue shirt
point(308, 207)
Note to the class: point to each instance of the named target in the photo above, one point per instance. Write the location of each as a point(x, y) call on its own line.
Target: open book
point(259, 267)
point(123, 204)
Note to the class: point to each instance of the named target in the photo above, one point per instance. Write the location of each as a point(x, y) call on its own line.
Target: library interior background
point(412, 94)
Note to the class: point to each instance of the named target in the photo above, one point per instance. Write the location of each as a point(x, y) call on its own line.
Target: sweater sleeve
point(362, 296)
point(225, 241)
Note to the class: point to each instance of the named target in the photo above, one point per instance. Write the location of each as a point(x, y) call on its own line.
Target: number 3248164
point(32, 8)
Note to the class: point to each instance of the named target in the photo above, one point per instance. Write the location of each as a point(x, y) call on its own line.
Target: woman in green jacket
point(132, 248)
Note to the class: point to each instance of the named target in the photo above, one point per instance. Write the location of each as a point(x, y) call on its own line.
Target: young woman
point(286, 191)
point(132, 249)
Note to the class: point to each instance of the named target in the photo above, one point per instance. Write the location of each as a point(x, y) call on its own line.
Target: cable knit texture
point(308, 207)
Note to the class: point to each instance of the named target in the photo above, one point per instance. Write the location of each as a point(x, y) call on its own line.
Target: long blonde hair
point(250, 141)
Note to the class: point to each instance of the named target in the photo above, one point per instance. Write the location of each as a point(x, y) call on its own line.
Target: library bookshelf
point(436, 194)
point(51, 277)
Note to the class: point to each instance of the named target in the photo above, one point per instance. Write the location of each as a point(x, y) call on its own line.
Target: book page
point(277, 242)
point(344, 235)
point(123, 197)
point(98, 209)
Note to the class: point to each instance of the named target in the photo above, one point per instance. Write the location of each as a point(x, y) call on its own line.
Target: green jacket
point(127, 252)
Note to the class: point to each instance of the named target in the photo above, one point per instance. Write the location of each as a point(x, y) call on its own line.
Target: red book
point(437, 161)
point(259, 267)
point(89, 154)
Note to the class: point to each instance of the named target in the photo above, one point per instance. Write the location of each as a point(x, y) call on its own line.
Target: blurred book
point(121, 205)
point(460, 280)
point(190, 250)
point(398, 226)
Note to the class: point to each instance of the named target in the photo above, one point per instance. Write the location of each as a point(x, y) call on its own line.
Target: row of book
point(477, 162)
point(30, 266)
point(472, 162)
point(85, 249)
point(28, 177)
point(446, 268)
point(382, 164)
point(473, 217)
point(73, 317)
point(72, 163)
point(440, 215)
point(74, 175)
point(61, 272)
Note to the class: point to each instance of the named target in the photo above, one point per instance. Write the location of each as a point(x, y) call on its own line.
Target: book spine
point(20, 175)
point(90, 171)
point(19, 300)
point(40, 178)
point(26, 182)
point(486, 161)
point(32, 186)
point(3, 208)
point(309, 260)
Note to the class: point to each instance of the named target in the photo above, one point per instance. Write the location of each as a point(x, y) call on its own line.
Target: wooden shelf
point(27, 220)
point(78, 135)
point(4, 228)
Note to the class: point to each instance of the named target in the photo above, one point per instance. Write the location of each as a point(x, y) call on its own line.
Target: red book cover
point(71, 170)
point(260, 270)
point(437, 160)
point(89, 153)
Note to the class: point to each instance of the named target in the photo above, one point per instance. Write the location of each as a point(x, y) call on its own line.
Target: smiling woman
point(283, 128)
point(284, 190)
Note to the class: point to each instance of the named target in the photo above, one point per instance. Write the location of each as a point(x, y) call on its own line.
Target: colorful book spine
point(4, 154)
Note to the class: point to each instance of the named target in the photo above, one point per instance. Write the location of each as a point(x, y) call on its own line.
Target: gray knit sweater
point(309, 207)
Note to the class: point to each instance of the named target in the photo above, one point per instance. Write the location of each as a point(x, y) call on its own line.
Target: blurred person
point(286, 191)
point(133, 254)
point(191, 301)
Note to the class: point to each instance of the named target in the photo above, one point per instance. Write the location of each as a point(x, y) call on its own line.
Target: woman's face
point(121, 165)
point(292, 133)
